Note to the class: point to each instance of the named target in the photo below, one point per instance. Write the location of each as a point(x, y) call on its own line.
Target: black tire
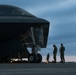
point(39, 58)
point(32, 58)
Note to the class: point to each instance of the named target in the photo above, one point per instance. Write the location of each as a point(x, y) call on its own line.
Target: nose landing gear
point(35, 58)
point(39, 58)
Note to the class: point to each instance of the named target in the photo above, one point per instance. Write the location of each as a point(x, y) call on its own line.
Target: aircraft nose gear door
point(37, 35)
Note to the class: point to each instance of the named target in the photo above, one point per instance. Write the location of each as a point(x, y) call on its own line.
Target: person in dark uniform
point(54, 53)
point(47, 58)
point(62, 49)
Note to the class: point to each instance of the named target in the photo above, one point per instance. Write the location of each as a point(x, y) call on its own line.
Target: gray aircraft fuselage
point(14, 23)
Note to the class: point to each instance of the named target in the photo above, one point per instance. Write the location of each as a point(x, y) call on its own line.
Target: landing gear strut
point(36, 35)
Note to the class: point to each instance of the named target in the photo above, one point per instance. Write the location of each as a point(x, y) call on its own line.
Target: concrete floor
point(38, 69)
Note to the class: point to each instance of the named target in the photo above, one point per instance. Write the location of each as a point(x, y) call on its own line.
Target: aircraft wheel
point(39, 58)
point(32, 58)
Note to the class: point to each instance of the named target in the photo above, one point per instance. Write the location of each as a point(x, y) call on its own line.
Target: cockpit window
point(4, 11)
point(14, 11)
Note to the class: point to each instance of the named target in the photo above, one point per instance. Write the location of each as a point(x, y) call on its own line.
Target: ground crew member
point(62, 49)
point(54, 52)
point(47, 58)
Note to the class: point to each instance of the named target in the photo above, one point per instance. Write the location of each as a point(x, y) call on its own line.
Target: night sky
point(62, 17)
